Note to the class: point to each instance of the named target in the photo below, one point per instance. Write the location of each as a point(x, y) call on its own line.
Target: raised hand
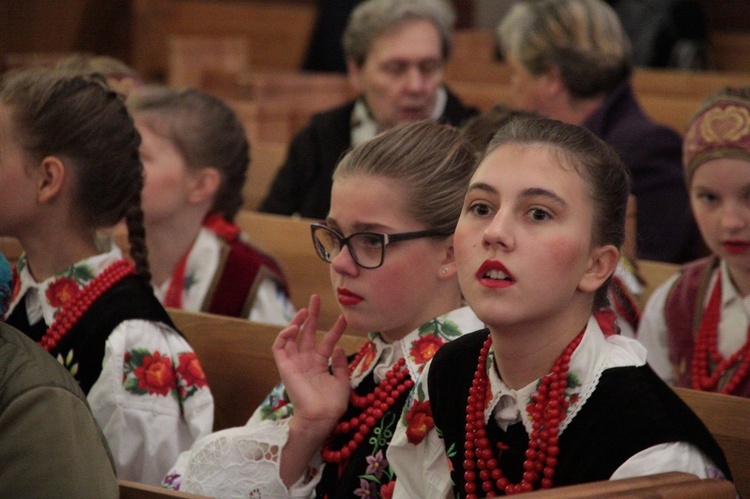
point(319, 396)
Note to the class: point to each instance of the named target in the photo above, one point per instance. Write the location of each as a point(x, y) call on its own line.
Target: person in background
point(195, 155)
point(388, 238)
point(695, 326)
point(42, 413)
point(571, 61)
point(547, 395)
point(396, 51)
point(69, 161)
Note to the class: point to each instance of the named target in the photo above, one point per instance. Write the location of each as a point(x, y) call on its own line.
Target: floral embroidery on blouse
point(379, 479)
point(276, 405)
point(369, 351)
point(147, 373)
point(68, 284)
point(67, 362)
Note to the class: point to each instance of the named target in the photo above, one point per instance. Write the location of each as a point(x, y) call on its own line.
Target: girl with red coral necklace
point(388, 237)
point(697, 325)
point(549, 394)
point(69, 161)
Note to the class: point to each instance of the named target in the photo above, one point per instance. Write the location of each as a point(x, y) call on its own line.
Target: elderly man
point(396, 51)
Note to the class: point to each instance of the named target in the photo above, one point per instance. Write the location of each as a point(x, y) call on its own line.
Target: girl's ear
point(448, 265)
point(601, 265)
point(51, 179)
point(204, 185)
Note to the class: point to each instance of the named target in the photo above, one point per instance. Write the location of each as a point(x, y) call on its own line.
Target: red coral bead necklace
point(547, 411)
point(374, 406)
point(72, 311)
point(706, 351)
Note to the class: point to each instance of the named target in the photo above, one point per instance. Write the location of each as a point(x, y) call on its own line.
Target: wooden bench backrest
point(663, 485)
point(265, 160)
point(728, 419)
point(654, 274)
point(288, 239)
point(237, 360)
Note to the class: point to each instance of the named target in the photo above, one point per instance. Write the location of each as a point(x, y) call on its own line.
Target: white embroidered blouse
point(147, 420)
point(733, 325)
point(271, 304)
point(244, 462)
point(423, 469)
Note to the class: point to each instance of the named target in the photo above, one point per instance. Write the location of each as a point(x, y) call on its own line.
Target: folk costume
point(142, 379)
point(223, 273)
point(616, 420)
point(353, 462)
point(303, 183)
point(696, 326)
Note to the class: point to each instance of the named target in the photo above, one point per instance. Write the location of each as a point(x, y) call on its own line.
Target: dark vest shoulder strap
point(240, 274)
point(684, 305)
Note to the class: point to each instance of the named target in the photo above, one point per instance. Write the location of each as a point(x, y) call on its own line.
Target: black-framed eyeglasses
point(367, 248)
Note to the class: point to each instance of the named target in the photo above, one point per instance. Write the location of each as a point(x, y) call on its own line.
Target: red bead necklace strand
point(374, 406)
point(70, 313)
point(547, 411)
point(706, 351)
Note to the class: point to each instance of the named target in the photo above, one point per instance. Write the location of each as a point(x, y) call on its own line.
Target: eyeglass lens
point(366, 249)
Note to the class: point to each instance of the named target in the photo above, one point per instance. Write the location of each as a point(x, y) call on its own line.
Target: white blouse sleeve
point(244, 462)
point(422, 466)
point(271, 305)
point(151, 399)
point(652, 332)
point(663, 458)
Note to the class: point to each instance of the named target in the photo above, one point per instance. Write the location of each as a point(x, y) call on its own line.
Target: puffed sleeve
point(151, 400)
point(417, 454)
point(50, 446)
point(244, 462)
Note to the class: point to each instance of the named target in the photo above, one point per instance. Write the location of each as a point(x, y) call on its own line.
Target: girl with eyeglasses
point(325, 429)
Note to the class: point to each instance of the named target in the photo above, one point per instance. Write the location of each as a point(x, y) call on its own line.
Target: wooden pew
point(135, 490)
point(236, 357)
point(663, 485)
point(288, 239)
point(265, 160)
point(727, 419)
point(277, 32)
point(654, 274)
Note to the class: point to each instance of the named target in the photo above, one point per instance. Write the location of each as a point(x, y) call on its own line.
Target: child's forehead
point(524, 159)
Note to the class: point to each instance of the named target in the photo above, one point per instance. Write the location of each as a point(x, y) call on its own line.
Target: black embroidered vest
point(630, 411)
point(130, 298)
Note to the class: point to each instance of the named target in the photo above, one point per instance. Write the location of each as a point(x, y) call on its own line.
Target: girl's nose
point(499, 232)
point(343, 263)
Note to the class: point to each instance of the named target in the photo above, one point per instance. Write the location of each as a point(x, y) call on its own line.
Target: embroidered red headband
point(720, 129)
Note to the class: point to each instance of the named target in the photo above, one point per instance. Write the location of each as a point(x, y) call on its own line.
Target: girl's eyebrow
point(538, 191)
point(530, 192)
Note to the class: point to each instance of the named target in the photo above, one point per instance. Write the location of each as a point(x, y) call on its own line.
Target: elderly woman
point(571, 61)
point(396, 51)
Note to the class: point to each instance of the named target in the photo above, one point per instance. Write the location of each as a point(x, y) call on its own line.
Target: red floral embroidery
point(61, 290)
point(368, 355)
point(425, 348)
point(155, 374)
point(190, 370)
point(419, 421)
point(386, 491)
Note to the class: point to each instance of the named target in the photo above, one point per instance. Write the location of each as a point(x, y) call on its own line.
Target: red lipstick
point(493, 274)
point(735, 247)
point(347, 298)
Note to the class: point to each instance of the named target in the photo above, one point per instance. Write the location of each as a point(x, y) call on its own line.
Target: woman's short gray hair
point(583, 38)
point(373, 18)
